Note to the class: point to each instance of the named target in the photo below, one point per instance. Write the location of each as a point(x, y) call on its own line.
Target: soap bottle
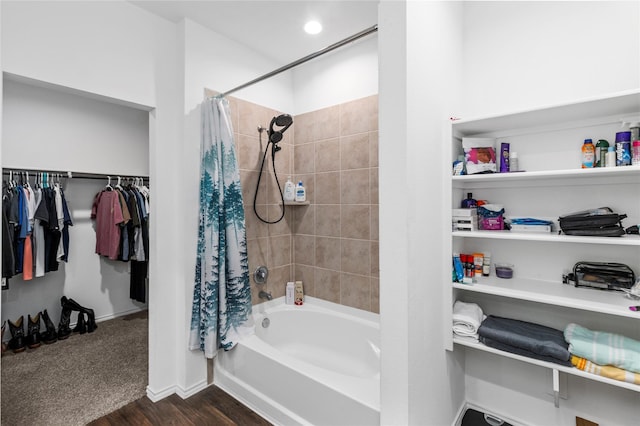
point(301, 194)
point(289, 190)
point(513, 161)
point(469, 202)
point(588, 154)
point(601, 152)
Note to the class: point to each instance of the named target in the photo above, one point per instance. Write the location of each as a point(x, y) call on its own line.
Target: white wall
point(343, 75)
point(118, 51)
point(523, 55)
point(421, 383)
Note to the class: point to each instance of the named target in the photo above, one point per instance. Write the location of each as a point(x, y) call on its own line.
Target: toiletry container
point(635, 160)
point(504, 157)
point(469, 202)
point(601, 152)
point(301, 194)
point(289, 190)
point(588, 154)
point(513, 162)
point(623, 148)
point(611, 157)
point(634, 128)
point(290, 293)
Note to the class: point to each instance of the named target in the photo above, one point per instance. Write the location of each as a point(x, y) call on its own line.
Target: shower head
point(284, 121)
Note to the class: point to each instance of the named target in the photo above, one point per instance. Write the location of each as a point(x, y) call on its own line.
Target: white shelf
point(555, 293)
point(625, 240)
point(569, 370)
point(587, 174)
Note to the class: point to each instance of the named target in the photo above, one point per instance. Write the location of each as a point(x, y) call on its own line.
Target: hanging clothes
point(122, 231)
point(221, 310)
point(33, 229)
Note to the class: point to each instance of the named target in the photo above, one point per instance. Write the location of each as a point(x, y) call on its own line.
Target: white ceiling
point(273, 27)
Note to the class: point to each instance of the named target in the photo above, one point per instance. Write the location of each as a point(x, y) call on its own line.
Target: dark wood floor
point(211, 406)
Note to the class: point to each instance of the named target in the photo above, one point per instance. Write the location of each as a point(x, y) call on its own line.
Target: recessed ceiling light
point(312, 27)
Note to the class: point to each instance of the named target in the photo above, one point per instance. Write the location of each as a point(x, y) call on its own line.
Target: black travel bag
point(601, 222)
point(602, 275)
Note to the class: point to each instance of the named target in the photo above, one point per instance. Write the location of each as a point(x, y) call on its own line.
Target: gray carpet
point(80, 379)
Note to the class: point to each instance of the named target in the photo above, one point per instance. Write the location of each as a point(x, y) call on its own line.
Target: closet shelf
point(555, 293)
point(584, 174)
point(569, 370)
point(625, 240)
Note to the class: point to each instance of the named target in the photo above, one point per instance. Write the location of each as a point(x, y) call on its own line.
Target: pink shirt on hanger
point(108, 215)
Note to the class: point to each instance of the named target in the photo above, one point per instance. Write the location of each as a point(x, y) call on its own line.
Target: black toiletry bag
point(602, 275)
point(601, 222)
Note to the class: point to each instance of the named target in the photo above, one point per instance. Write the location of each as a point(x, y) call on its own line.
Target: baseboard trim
point(191, 390)
point(157, 396)
point(121, 314)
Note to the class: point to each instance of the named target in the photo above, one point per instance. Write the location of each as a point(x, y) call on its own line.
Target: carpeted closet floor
point(77, 380)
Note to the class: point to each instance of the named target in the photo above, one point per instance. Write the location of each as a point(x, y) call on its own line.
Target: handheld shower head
point(284, 121)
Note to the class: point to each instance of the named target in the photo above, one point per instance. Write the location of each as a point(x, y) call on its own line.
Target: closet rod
point(68, 174)
point(307, 58)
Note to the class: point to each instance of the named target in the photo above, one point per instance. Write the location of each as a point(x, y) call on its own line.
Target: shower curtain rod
point(307, 58)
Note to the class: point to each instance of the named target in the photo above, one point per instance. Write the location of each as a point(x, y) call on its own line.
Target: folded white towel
point(467, 318)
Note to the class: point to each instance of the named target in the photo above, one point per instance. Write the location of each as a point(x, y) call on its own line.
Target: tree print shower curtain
point(221, 312)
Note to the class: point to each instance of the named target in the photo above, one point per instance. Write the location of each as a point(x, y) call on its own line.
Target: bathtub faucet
point(265, 295)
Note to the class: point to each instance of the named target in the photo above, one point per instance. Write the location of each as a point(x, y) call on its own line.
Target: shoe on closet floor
point(91, 317)
point(33, 331)
point(63, 327)
point(17, 335)
point(50, 335)
point(4, 345)
point(81, 326)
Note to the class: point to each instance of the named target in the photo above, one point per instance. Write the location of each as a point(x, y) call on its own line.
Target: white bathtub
point(314, 364)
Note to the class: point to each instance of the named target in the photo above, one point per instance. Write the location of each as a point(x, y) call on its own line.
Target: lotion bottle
point(301, 194)
point(289, 190)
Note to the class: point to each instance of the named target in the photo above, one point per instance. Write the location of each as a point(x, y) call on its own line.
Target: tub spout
point(265, 295)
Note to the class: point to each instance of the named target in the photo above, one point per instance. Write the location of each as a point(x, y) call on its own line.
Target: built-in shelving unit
point(548, 142)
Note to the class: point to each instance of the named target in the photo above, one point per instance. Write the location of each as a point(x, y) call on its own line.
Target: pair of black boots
point(34, 338)
point(86, 318)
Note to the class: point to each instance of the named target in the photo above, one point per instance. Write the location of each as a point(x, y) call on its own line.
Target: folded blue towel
point(531, 337)
point(603, 348)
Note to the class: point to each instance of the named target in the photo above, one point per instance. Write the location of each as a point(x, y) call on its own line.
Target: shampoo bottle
point(301, 194)
point(601, 152)
point(469, 202)
point(289, 190)
point(588, 154)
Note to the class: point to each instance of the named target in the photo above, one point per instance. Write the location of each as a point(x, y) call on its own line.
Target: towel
point(605, 370)
point(603, 348)
point(535, 338)
point(519, 351)
point(467, 318)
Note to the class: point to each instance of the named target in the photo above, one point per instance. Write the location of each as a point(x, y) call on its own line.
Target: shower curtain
point(221, 311)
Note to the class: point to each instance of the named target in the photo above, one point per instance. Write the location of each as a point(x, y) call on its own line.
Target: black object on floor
point(476, 418)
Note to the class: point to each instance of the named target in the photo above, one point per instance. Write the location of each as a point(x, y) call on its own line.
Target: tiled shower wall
point(332, 244)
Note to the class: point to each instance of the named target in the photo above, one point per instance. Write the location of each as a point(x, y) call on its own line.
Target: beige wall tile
point(248, 180)
point(354, 221)
point(354, 187)
point(304, 158)
point(284, 159)
point(355, 291)
point(277, 281)
point(255, 228)
point(258, 253)
point(375, 259)
point(375, 295)
point(304, 250)
point(251, 116)
point(354, 151)
point(374, 222)
point(317, 125)
point(327, 154)
point(328, 220)
point(327, 188)
point(373, 149)
point(373, 185)
point(249, 155)
point(328, 253)
point(356, 256)
point(359, 116)
point(327, 285)
point(280, 250)
point(309, 183)
point(283, 227)
point(304, 221)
